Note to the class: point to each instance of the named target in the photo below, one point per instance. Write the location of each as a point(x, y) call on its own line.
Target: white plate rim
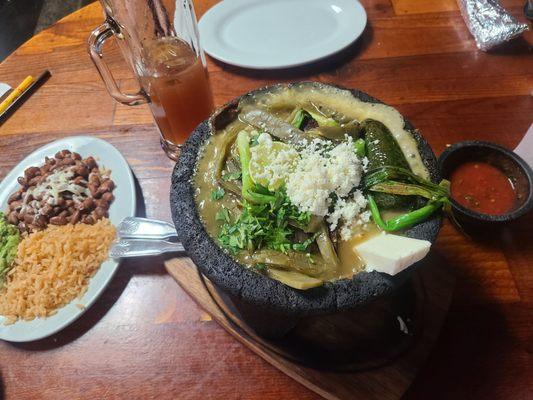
point(36, 158)
point(208, 23)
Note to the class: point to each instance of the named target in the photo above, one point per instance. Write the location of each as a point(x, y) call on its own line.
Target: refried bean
point(65, 189)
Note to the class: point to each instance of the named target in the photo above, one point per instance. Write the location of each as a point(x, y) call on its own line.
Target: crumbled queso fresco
point(319, 174)
point(352, 212)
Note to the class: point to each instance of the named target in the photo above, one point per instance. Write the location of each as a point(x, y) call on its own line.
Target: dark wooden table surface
point(145, 338)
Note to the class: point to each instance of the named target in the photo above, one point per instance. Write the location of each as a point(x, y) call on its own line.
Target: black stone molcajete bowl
point(268, 306)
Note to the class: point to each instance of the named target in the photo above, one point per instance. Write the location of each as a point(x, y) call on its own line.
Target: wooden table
point(145, 338)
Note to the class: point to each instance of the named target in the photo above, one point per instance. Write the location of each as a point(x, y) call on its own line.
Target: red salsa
point(483, 188)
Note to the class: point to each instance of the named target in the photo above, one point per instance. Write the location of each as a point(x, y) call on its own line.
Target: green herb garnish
point(260, 267)
point(222, 215)
point(217, 194)
point(264, 222)
point(254, 140)
point(264, 225)
point(360, 148)
point(304, 246)
point(233, 176)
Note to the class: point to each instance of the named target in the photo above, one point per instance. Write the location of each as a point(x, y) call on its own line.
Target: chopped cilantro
point(222, 215)
point(217, 194)
point(305, 244)
point(260, 267)
point(360, 147)
point(253, 140)
point(264, 225)
point(232, 176)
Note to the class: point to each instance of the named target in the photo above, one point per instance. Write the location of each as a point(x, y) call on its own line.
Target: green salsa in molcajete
point(297, 178)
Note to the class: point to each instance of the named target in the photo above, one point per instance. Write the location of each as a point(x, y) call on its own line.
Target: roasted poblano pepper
point(383, 150)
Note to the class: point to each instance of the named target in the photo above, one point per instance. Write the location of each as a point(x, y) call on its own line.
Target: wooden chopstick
point(20, 94)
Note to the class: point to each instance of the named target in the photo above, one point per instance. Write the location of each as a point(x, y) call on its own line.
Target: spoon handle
point(125, 248)
point(144, 228)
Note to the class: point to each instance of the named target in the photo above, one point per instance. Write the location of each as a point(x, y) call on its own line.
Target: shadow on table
point(512, 238)
point(128, 269)
point(483, 349)
point(302, 72)
point(514, 47)
point(466, 361)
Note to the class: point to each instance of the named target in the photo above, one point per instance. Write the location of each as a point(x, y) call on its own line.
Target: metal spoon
point(126, 248)
point(145, 228)
point(141, 237)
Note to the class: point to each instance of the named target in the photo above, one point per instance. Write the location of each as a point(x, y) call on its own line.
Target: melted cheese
point(51, 189)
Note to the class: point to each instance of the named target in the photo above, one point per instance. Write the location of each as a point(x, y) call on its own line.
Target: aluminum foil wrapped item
point(489, 23)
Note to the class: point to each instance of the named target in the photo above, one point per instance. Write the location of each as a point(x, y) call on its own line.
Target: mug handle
point(95, 45)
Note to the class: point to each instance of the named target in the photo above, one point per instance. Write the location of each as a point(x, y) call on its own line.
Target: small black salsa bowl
point(512, 165)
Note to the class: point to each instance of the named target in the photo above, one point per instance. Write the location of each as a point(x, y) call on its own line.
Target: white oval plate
point(124, 206)
point(270, 34)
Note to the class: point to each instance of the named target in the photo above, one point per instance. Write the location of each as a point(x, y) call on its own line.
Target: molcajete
point(267, 305)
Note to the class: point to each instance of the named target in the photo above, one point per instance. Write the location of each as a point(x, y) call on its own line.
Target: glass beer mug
point(159, 39)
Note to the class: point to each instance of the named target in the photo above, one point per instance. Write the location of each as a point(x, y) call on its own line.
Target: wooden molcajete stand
point(360, 354)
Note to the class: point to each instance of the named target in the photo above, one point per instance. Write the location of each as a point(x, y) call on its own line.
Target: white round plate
point(124, 206)
point(270, 34)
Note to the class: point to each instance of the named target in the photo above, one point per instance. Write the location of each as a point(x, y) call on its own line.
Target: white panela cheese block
point(391, 253)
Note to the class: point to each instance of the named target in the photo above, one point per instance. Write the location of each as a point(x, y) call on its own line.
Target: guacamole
point(9, 240)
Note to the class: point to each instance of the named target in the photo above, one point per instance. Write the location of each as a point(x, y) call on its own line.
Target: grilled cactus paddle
point(382, 150)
